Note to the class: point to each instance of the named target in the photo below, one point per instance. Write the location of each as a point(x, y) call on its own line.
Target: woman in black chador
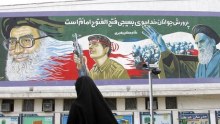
point(89, 106)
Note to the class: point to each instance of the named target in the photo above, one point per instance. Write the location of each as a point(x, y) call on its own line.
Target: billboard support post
point(151, 97)
point(155, 71)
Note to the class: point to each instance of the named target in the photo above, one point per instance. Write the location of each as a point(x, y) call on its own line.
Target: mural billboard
point(9, 120)
point(64, 118)
point(37, 120)
point(121, 119)
point(162, 118)
point(124, 119)
point(217, 117)
point(60, 46)
point(192, 117)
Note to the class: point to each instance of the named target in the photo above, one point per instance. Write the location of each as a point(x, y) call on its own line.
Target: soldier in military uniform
point(104, 67)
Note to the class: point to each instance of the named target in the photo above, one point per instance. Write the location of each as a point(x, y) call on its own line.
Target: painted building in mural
point(43, 53)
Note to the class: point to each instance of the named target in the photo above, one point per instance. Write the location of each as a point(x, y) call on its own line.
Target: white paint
point(162, 5)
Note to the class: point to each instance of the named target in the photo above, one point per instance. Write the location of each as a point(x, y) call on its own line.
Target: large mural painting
point(109, 46)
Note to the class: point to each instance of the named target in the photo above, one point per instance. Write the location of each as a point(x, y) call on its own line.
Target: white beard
point(38, 66)
point(206, 55)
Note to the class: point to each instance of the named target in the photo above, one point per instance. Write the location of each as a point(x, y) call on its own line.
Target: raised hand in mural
point(156, 37)
point(79, 61)
point(81, 64)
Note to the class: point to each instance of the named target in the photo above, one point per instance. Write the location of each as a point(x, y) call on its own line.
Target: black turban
point(207, 31)
point(51, 27)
